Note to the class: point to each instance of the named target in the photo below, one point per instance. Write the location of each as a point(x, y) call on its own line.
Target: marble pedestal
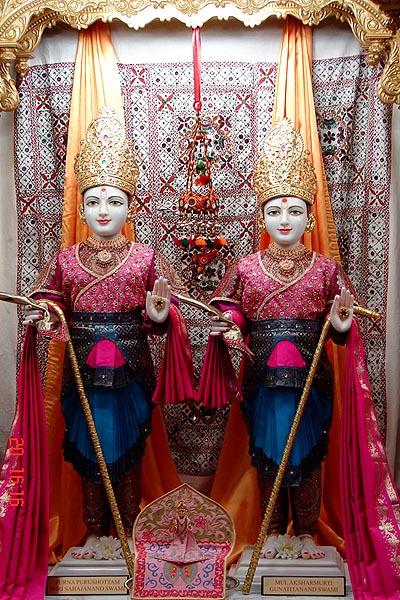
point(331, 565)
point(83, 577)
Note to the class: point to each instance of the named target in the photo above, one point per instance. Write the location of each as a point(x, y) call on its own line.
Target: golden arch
point(22, 24)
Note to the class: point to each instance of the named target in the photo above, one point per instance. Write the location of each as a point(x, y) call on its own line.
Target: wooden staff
point(255, 557)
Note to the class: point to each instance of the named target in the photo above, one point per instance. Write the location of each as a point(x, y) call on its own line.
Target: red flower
point(219, 242)
point(200, 242)
point(202, 180)
point(200, 522)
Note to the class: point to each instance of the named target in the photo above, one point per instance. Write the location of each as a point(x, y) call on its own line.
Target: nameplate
point(62, 585)
point(272, 585)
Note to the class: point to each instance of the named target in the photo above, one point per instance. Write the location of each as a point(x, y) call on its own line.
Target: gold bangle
point(158, 302)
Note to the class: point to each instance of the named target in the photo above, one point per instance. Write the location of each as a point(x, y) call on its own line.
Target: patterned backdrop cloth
point(355, 133)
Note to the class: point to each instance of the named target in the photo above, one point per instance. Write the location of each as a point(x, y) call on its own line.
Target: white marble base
point(76, 567)
point(79, 567)
point(331, 565)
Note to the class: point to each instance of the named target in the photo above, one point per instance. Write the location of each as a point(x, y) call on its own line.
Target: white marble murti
point(331, 565)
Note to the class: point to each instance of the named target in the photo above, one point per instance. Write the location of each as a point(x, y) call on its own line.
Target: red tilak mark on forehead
point(284, 200)
point(103, 189)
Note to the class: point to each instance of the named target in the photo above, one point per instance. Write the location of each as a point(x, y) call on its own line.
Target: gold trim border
point(22, 23)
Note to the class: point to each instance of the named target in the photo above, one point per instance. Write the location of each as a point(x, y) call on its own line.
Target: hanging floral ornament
point(199, 203)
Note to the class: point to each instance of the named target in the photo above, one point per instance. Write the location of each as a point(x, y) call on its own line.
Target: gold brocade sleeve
point(49, 279)
point(231, 287)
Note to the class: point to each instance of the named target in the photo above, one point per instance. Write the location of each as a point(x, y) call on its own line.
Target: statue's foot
point(310, 549)
point(87, 550)
point(269, 549)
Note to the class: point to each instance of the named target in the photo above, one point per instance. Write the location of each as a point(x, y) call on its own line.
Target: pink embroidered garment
point(24, 486)
point(70, 281)
point(251, 293)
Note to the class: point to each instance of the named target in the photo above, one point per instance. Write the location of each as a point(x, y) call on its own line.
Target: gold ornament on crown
point(106, 155)
point(284, 168)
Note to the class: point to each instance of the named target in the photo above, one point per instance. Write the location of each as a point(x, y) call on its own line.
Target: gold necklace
point(104, 248)
point(286, 258)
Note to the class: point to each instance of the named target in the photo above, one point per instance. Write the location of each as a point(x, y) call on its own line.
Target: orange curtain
point(294, 99)
point(96, 84)
point(237, 490)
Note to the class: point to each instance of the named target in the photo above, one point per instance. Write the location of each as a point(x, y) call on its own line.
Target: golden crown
point(284, 168)
point(106, 155)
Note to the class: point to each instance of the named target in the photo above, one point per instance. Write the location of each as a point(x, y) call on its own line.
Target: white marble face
point(285, 220)
point(106, 209)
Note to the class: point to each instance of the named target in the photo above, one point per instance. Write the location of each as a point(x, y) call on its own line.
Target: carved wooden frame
point(22, 23)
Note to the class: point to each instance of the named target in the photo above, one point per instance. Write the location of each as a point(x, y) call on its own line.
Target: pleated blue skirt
point(269, 413)
point(122, 419)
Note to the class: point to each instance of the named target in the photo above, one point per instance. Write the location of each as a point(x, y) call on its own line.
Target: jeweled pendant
point(104, 257)
point(286, 266)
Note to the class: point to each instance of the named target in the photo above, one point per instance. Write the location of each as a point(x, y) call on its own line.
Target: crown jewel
point(106, 155)
point(284, 168)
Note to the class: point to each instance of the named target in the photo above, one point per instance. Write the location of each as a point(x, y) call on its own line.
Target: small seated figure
point(183, 548)
point(183, 556)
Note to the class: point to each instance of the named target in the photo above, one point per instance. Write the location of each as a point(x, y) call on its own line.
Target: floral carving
point(22, 23)
point(375, 52)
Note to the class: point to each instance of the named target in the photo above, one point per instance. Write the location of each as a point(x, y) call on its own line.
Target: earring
point(81, 212)
point(311, 222)
point(260, 221)
point(130, 217)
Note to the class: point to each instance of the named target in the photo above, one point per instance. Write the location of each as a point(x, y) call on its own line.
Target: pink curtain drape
point(24, 489)
point(370, 502)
